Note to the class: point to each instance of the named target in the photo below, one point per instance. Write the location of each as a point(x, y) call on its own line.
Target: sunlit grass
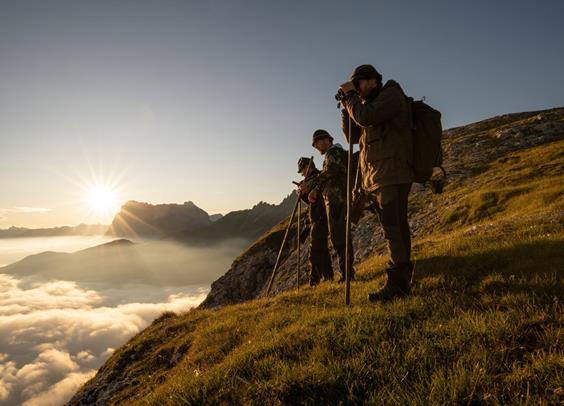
point(484, 324)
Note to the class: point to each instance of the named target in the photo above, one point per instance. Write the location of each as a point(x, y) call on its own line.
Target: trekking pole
point(282, 247)
point(299, 235)
point(285, 237)
point(348, 253)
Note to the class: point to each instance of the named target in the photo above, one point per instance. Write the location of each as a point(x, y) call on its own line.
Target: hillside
point(484, 324)
point(470, 151)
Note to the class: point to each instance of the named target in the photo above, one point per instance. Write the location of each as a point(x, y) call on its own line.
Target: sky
point(214, 101)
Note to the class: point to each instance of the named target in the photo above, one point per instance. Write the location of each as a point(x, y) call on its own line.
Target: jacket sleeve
point(387, 105)
point(331, 168)
point(307, 185)
point(355, 129)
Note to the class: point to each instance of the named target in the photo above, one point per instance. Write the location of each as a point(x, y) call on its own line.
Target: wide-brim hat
point(365, 72)
point(319, 135)
point(302, 163)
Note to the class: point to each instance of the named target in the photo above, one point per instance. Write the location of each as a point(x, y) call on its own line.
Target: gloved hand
point(312, 196)
point(359, 200)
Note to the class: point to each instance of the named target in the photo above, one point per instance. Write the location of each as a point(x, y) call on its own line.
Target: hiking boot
point(405, 276)
point(328, 275)
point(395, 287)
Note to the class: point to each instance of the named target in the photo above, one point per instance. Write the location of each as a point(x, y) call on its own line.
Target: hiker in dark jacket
point(381, 126)
point(331, 183)
point(319, 256)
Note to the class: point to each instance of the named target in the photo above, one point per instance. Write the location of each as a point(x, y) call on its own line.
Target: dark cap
point(319, 135)
point(365, 72)
point(303, 162)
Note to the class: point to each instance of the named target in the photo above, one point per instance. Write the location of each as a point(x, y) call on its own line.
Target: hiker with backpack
point(380, 122)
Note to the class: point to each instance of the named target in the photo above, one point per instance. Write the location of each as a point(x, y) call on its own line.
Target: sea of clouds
point(54, 334)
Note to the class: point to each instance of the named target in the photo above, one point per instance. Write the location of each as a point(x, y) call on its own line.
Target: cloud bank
point(54, 335)
point(24, 209)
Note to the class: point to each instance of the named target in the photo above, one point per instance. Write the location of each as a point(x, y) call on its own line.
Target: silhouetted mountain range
point(215, 217)
point(187, 223)
point(248, 224)
point(137, 219)
point(81, 229)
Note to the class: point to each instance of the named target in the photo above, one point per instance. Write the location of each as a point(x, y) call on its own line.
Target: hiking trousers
point(391, 205)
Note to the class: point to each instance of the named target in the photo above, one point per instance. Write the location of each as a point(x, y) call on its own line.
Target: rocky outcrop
point(468, 151)
point(137, 219)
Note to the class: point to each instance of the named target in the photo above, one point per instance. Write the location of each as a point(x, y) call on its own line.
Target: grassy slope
point(484, 323)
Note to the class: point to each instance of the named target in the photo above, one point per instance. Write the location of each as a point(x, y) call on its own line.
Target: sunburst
point(101, 199)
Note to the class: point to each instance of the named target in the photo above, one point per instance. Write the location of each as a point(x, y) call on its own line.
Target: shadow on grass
point(533, 268)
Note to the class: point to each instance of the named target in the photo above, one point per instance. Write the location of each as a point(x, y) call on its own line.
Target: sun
point(98, 193)
point(101, 199)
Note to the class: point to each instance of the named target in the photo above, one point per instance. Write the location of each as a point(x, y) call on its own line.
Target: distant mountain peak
point(141, 219)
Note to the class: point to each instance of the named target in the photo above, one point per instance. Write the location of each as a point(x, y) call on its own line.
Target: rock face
point(467, 149)
point(137, 219)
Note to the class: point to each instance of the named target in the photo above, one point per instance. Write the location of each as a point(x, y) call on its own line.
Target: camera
point(341, 95)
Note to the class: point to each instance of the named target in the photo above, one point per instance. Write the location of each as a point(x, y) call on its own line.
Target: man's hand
point(359, 200)
point(347, 87)
point(358, 194)
point(312, 196)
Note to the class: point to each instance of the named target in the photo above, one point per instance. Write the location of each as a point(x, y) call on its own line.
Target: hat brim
point(320, 137)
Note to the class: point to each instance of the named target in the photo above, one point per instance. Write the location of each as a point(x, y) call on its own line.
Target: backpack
point(427, 133)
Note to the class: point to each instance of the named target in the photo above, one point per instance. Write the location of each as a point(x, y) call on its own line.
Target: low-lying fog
point(62, 315)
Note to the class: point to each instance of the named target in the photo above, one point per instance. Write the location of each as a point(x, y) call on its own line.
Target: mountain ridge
point(247, 223)
point(81, 229)
point(140, 219)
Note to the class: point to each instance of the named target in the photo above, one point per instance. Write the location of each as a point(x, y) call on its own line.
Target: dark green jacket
point(316, 209)
point(382, 128)
point(332, 179)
